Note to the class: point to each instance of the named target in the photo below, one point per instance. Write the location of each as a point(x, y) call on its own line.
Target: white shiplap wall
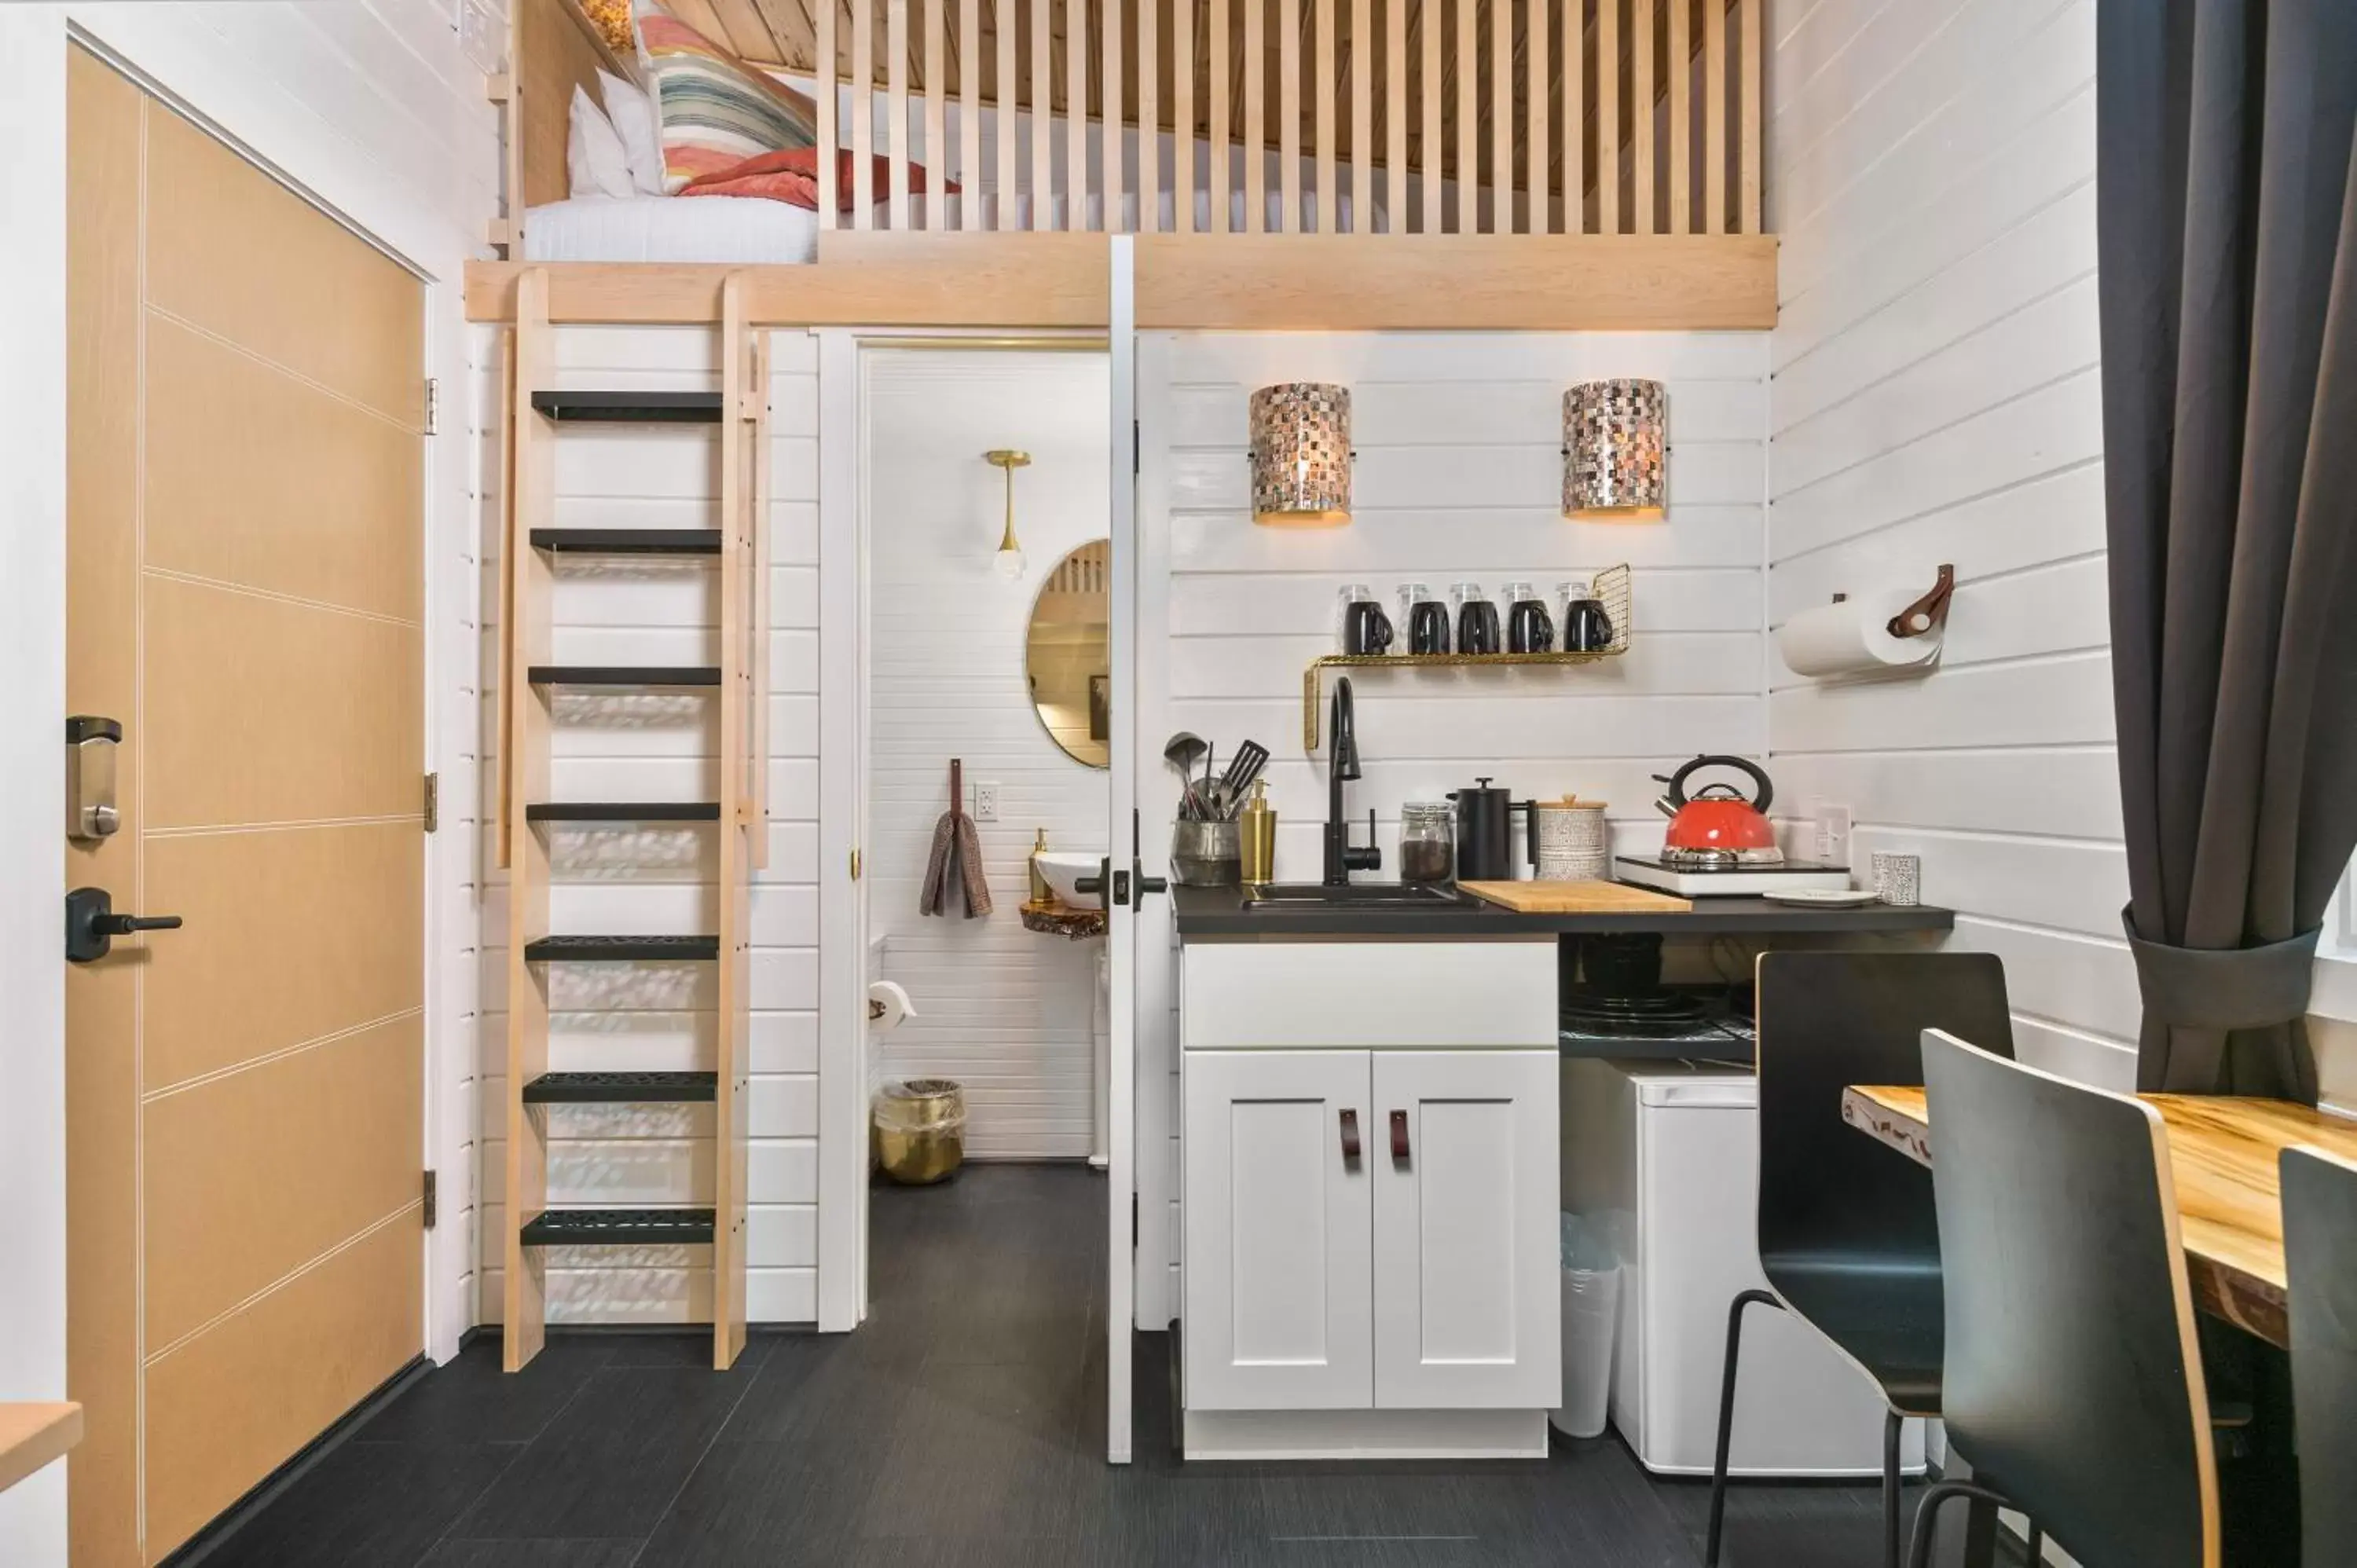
point(1003, 1011)
point(1459, 476)
point(1935, 398)
point(658, 879)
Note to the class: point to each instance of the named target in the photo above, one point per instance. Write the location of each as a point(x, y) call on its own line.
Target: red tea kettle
point(1716, 820)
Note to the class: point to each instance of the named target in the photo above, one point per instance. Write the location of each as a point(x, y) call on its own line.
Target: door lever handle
point(91, 924)
point(1399, 1136)
point(1350, 1135)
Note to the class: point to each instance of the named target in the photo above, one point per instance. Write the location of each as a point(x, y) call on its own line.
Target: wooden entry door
point(245, 581)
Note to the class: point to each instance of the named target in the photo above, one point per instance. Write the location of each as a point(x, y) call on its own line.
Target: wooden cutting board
point(1574, 898)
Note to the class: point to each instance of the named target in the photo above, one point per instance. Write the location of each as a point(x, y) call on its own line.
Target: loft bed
point(1480, 165)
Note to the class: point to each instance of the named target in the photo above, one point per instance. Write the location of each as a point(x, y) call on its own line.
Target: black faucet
point(1341, 859)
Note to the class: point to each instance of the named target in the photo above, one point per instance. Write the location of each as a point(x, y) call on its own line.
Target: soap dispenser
point(1041, 892)
point(1257, 836)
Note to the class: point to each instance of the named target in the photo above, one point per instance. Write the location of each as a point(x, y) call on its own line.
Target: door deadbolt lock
point(90, 742)
point(91, 924)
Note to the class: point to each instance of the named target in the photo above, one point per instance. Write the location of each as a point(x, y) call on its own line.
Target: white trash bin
point(1591, 1310)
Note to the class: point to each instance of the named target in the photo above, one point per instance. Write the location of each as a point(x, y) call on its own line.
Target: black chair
point(1848, 1238)
point(2073, 1381)
point(2320, 1216)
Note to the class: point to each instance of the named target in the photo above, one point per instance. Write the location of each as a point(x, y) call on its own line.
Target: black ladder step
point(627, 541)
point(618, 1227)
point(625, 674)
point(621, 1088)
point(623, 811)
point(618, 950)
point(629, 408)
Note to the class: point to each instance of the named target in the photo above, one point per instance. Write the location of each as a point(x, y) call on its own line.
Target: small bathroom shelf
point(618, 1227)
point(1610, 587)
point(1056, 918)
point(621, 1088)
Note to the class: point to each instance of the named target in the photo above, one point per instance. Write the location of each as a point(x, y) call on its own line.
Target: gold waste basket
point(920, 1129)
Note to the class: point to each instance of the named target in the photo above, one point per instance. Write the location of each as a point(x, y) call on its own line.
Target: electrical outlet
point(985, 799)
point(481, 34)
point(1833, 833)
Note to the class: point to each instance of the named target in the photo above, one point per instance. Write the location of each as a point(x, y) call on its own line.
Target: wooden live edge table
point(2223, 1154)
point(31, 1435)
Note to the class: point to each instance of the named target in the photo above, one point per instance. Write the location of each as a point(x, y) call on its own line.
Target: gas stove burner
point(1699, 859)
point(1719, 859)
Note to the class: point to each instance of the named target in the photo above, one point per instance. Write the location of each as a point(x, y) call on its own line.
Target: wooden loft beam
point(1498, 282)
point(1468, 283)
point(863, 278)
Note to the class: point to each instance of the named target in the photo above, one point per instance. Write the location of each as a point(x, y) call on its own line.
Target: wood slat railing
point(1334, 117)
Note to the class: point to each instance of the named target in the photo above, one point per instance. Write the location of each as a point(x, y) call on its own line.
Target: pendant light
point(1615, 450)
point(1301, 455)
point(1010, 561)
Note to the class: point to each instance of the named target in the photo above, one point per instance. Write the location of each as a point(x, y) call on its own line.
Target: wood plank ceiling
point(783, 33)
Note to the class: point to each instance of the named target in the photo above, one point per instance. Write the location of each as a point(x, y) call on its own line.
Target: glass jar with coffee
point(1427, 841)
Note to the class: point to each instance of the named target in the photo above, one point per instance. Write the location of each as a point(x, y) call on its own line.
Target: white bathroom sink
point(1064, 867)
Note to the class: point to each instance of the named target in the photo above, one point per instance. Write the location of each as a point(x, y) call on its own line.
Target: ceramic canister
point(1574, 845)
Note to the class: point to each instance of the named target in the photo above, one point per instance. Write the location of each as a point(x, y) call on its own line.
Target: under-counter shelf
point(1610, 587)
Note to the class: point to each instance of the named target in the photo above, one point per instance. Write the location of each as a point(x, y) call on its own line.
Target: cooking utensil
point(1181, 750)
point(1244, 768)
point(1716, 820)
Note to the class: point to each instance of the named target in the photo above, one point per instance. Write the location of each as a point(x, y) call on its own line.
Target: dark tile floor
point(961, 1428)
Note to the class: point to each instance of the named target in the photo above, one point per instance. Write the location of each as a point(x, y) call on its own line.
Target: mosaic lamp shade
point(1301, 455)
point(1615, 449)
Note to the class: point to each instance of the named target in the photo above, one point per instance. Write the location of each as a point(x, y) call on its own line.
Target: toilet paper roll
point(1853, 638)
point(886, 1006)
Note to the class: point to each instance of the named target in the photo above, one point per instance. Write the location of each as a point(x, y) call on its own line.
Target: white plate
point(1826, 897)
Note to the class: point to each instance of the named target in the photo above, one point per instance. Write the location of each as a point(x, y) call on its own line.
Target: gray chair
point(1847, 1240)
point(2072, 1382)
point(2320, 1217)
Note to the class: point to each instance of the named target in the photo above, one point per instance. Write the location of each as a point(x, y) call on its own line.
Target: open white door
point(1128, 869)
point(842, 831)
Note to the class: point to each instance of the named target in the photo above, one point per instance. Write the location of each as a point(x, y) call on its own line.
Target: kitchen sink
point(1356, 895)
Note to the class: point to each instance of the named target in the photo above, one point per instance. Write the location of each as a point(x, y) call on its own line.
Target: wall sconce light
point(1615, 450)
point(1301, 455)
point(1010, 561)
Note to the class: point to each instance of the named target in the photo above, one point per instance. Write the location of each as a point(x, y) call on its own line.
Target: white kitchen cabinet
point(1277, 1228)
point(1419, 1275)
point(1466, 1274)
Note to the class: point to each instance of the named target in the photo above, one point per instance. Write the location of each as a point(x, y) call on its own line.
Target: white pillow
point(632, 113)
point(595, 163)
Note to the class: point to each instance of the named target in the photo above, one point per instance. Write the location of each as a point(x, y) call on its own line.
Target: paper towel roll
point(886, 1006)
point(1853, 638)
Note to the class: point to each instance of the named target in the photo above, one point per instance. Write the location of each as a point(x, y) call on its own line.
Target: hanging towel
point(957, 858)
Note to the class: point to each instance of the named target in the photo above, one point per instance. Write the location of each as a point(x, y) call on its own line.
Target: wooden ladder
point(529, 679)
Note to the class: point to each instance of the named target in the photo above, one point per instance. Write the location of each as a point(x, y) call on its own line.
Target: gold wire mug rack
point(1610, 587)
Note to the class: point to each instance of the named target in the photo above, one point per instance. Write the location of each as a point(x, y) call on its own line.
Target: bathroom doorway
point(983, 471)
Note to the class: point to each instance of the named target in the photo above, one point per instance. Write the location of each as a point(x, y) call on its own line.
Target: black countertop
point(1219, 914)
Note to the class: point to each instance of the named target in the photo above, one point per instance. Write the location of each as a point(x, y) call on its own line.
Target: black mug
point(1529, 627)
point(1585, 628)
point(1365, 628)
point(1477, 627)
point(1428, 628)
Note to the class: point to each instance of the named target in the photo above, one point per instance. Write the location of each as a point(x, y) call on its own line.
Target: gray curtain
point(2227, 202)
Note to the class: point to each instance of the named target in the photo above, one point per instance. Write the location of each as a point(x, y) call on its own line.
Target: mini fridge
point(1665, 1153)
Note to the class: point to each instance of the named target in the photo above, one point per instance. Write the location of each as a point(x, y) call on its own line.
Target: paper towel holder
point(1928, 613)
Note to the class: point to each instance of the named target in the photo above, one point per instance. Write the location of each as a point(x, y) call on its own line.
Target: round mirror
point(1064, 655)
